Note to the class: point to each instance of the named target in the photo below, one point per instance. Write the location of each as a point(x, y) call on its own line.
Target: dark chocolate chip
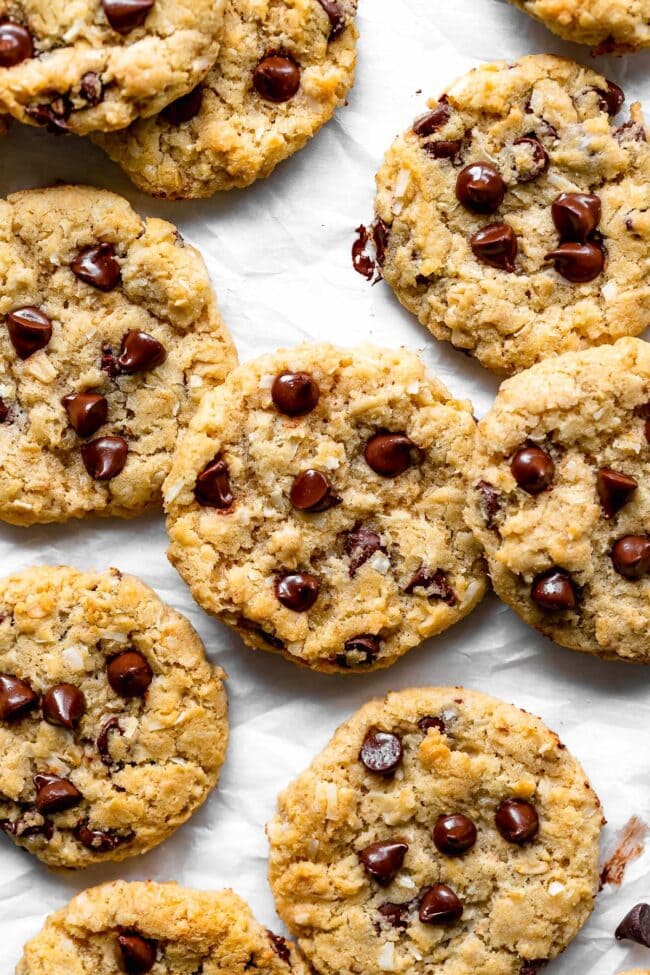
point(359, 651)
point(443, 148)
point(297, 591)
point(140, 352)
point(53, 116)
point(4, 411)
point(138, 954)
point(105, 457)
point(362, 262)
point(16, 44)
point(489, 501)
point(279, 946)
point(212, 488)
point(631, 556)
point(29, 330)
point(517, 821)
point(390, 454)
point(631, 132)
point(397, 915)
point(91, 88)
point(383, 861)
point(295, 393)
point(554, 590)
point(17, 698)
point(99, 840)
point(276, 78)
point(611, 98)
point(360, 544)
point(496, 245)
point(435, 585)
point(381, 751)
point(380, 235)
point(129, 674)
point(440, 905)
point(87, 412)
point(431, 721)
point(54, 794)
point(576, 215)
point(540, 160)
point(23, 827)
point(97, 266)
point(63, 704)
point(431, 122)
point(614, 489)
point(454, 834)
point(311, 491)
point(126, 15)
point(184, 109)
point(578, 263)
point(336, 16)
point(113, 724)
point(635, 926)
point(533, 469)
point(480, 188)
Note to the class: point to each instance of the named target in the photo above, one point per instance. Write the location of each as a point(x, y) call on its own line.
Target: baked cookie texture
point(141, 927)
point(113, 725)
point(99, 64)
point(468, 250)
point(283, 528)
point(559, 498)
point(614, 26)
point(439, 827)
point(245, 118)
point(114, 314)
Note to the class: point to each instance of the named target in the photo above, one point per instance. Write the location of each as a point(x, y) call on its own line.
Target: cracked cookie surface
point(315, 505)
point(141, 927)
point(113, 726)
point(560, 501)
point(614, 26)
point(439, 827)
point(284, 67)
point(488, 238)
point(109, 333)
point(93, 65)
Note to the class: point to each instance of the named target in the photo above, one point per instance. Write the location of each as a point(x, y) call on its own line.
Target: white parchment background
point(279, 255)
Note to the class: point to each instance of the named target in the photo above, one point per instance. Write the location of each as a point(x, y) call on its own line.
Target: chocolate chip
point(295, 393)
point(97, 266)
point(105, 457)
point(578, 263)
point(311, 491)
point(129, 674)
point(113, 724)
point(91, 88)
point(138, 954)
point(432, 121)
point(631, 556)
point(435, 585)
point(87, 412)
point(29, 330)
point(480, 188)
point(397, 915)
point(297, 591)
point(362, 262)
point(431, 721)
point(140, 352)
point(614, 490)
point(212, 488)
point(454, 834)
point(539, 157)
point(54, 794)
point(99, 840)
point(489, 501)
point(184, 109)
point(631, 132)
point(381, 751)
point(554, 590)
point(443, 148)
point(533, 469)
point(63, 704)
point(360, 544)
point(4, 411)
point(635, 926)
point(611, 98)
point(279, 946)
point(16, 44)
point(496, 245)
point(359, 651)
point(53, 116)
point(390, 454)
point(440, 905)
point(126, 15)
point(336, 16)
point(517, 821)
point(25, 826)
point(276, 78)
point(380, 235)
point(17, 698)
point(576, 215)
point(383, 861)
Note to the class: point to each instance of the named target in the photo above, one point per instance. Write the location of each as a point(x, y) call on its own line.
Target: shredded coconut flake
point(386, 959)
point(114, 636)
point(380, 563)
point(74, 657)
point(173, 492)
point(555, 888)
point(402, 182)
point(266, 382)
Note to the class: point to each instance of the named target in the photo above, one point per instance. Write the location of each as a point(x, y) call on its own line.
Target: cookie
point(614, 26)
point(284, 67)
point(140, 927)
point(109, 333)
point(315, 505)
point(440, 829)
point(99, 64)
point(513, 216)
point(560, 502)
point(113, 726)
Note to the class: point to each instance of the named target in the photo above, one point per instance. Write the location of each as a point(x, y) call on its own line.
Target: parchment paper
point(279, 255)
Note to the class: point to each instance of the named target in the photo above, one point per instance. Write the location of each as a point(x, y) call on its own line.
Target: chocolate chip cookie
point(440, 829)
point(140, 927)
point(316, 506)
point(283, 69)
point(560, 502)
point(99, 64)
point(613, 26)
point(109, 333)
point(113, 726)
point(513, 216)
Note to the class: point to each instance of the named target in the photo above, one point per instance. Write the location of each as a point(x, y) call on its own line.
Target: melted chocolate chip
point(276, 78)
point(17, 698)
point(336, 16)
point(64, 705)
point(635, 926)
point(126, 15)
point(611, 98)
point(431, 721)
point(138, 954)
point(184, 109)
point(54, 794)
point(212, 488)
point(24, 827)
point(383, 861)
point(91, 88)
point(87, 412)
point(443, 148)
point(440, 905)
point(361, 543)
point(29, 330)
point(631, 556)
point(380, 235)
point(140, 352)
point(517, 821)
point(4, 412)
point(129, 674)
point(53, 116)
point(359, 651)
point(435, 584)
point(397, 915)
point(540, 160)
point(554, 591)
point(490, 502)
point(311, 491)
point(533, 469)
point(16, 44)
point(362, 262)
point(97, 266)
point(631, 132)
point(297, 591)
point(480, 188)
point(390, 454)
point(99, 840)
point(113, 724)
point(496, 245)
point(280, 947)
point(105, 457)
point(381, 751)
point(108, 363)
point(578, 263)
point(454, 834)
point(295, 393)
point(431, 122)
point(614, 490)
point(576, 215)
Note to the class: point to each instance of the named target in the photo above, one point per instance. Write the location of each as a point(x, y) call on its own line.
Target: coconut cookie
point(113, 726)
point(284, 67)
point(513, 216)
point(440, 829)
point(560, 501)
point(109, 333)
point(99, 64)
point(614, 26)
point(316, 506)
point(142, 927)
